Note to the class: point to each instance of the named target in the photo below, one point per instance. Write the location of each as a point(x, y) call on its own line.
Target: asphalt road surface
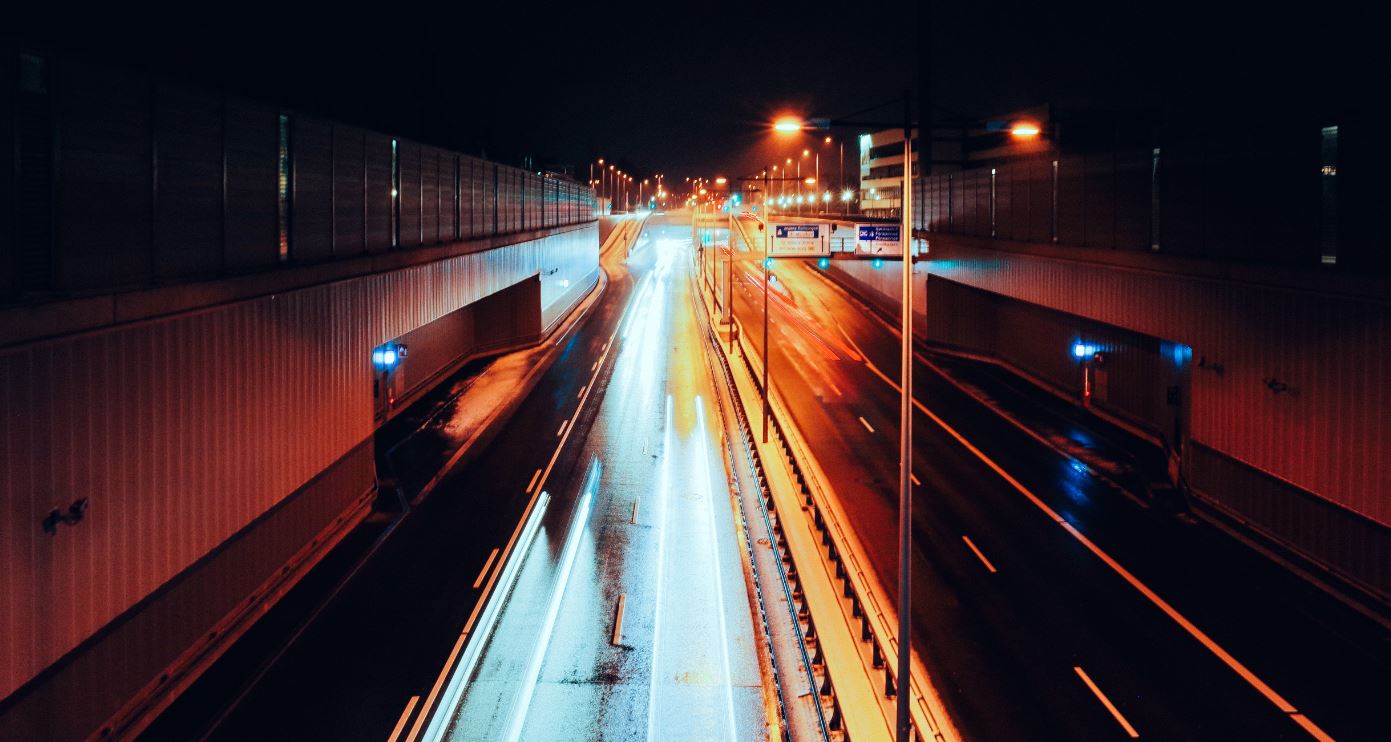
point(1047, 604)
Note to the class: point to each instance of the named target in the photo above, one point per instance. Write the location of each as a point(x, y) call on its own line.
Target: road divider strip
point(854, 645)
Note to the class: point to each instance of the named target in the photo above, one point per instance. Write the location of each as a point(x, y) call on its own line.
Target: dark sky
point(666, 87)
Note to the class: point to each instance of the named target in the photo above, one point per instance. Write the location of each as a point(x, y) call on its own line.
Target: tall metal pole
point(767, 351)
point(905, 440)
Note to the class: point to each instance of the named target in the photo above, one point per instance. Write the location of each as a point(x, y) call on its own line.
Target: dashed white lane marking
point(562, 427)
point(1107, 703)
point(532, 483)
point(401, 722)
point(865, 423)
point(978, 554)
point(914, 478)
point(484, 573)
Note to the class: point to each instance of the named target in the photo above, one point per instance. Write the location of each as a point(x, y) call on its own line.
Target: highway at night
point(1008, 601)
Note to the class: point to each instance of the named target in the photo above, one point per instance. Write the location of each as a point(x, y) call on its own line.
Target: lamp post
point(903, 694)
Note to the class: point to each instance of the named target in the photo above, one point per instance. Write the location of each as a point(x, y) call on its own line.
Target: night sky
point(687, 91)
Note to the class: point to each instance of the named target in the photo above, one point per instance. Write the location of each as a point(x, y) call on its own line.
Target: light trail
point(704, 454)
point(578, 527)
point(662, 493)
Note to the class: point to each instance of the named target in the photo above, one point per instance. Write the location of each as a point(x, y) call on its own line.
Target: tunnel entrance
point(429, 368)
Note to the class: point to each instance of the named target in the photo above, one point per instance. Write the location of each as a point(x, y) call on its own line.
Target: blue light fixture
point(1082, 350)
point(386, 356)
point(823, 263)
point(878, 263)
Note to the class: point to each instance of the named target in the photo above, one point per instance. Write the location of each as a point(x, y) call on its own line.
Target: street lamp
point(905, 503)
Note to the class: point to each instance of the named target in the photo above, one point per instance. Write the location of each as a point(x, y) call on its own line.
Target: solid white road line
point(1168, 610)
point(663, 485)
point(567, 562)
point(401, 722)
point(530, 485)
point(618, 620)
point(703, 452)
point(979, 555)
point(865, 423)
point(1107, 703)
point(484, 572)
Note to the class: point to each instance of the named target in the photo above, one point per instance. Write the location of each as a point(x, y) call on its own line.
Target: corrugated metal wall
point(1328, 432)
point(183, 430)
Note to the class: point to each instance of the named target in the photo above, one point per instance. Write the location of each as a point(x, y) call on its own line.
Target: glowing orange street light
point(806, 153)
point(1024, 130)
point(721, 180)
point(811, 181)
point(787, 125)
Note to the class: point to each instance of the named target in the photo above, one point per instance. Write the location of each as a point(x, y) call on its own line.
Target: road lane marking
point(427, 710)
point(562, 426)
point(914, 479)
point(484, 572)
point(865, 423)
point(532, 483)
point(704, 454)
point(596, 365)
point(834, 388)
point(664, 483)
point(578, 527)
point(1168, 610)
point(979, 555)
point(581, 392)
point(618, 620)
point(635, 511)
point(401, 722)
point(1107, 703)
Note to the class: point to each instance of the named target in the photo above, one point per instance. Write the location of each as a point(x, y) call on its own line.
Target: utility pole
point(905, 439)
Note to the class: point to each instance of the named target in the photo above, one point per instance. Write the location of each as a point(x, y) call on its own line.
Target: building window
point(1328, 177)
point(283, 188)
point(395, 196)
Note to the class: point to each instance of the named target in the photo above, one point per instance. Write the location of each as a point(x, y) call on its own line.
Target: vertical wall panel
point(349, 181)
point(251, 139)
point(377, 209)
point(1132, 202)
point(1071, 200)
point(449, 204)
point(1040, 171)
point(1100, 201)
point(429, 195)
point(105, 183)
point(408, 157)
point(311, 147)
point(188, 196)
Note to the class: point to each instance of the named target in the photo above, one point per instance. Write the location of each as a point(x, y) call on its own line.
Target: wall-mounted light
point(74, 515)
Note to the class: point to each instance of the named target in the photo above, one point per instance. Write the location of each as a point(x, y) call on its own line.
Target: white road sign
point(800, 241)
point(879, 240)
